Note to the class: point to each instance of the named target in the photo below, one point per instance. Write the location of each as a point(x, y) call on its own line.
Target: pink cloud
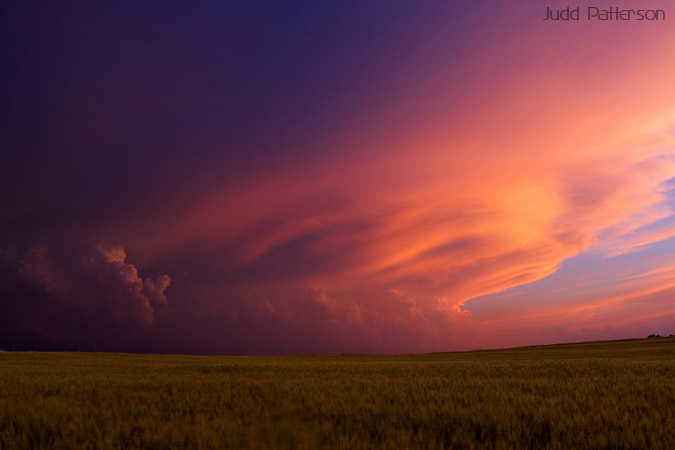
point(154, 289)
point(96, 282)
point(378, 256)
point(408, 210)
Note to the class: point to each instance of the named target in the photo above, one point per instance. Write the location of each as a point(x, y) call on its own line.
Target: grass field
point(604, 395)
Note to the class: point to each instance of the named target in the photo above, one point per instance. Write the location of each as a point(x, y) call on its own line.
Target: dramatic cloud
point(95, 282)
point(355, 178)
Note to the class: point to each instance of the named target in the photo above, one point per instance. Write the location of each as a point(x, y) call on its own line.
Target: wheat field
point(604, 395)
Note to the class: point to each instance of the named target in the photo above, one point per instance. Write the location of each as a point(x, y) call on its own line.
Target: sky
point(304, 177)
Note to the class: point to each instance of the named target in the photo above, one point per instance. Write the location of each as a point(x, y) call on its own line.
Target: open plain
point(601, 395)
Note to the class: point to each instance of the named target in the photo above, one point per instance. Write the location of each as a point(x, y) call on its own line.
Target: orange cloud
point(470, 193)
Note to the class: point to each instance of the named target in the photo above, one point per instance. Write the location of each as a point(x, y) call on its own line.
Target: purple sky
point(305, 177)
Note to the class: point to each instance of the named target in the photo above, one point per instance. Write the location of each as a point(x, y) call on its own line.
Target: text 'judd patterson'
point(593, 13)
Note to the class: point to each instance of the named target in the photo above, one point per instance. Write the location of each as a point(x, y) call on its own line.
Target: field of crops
point(606, 395)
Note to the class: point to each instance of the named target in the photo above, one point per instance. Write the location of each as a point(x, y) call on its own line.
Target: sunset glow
point(357, 178)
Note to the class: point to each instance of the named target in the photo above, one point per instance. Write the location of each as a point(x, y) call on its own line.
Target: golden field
point(602, 395)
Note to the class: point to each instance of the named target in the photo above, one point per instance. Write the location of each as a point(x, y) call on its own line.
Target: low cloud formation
point(154, 289)
point(95, 282)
